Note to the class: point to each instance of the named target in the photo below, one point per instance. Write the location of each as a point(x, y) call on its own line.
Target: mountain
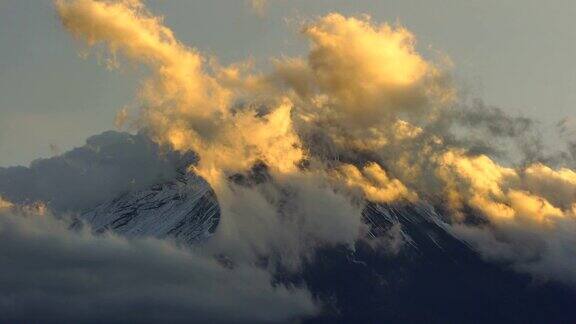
point(426, 275)
point(434, 278)
point(185, 210)
point(409, 268)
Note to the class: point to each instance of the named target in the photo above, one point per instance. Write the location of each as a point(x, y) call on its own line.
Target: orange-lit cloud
point(364, 71)
point(5, 204)
point(374, 183)
point(360, 111)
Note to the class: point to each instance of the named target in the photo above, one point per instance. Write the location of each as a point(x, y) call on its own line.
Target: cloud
point(128, 29)
point(475, 180)
point(259, 6)
point(531, 213)
point(375, 184)
point(558, 186)
point(362, 112)
point(186, 106)
point(50, 273)
point(108, 165)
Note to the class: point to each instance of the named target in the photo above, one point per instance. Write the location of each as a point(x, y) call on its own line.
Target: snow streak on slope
point(185, 209)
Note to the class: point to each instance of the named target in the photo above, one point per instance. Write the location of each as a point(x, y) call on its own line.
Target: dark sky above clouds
point(513, 54)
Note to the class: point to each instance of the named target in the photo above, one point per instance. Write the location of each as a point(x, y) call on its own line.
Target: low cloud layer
point(52, 274)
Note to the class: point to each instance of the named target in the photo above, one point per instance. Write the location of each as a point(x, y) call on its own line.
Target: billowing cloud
point(363, 112)
point(567, 129)
point(284, 219)
point(531, 212)
point(374, 183)
point(184, 104)
point(363, 71)
point(50, 273)
point(558, 186)
point(194, 107)
point(489, 130)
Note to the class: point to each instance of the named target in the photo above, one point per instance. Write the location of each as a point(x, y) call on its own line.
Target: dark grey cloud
point(567, 129)
point(490, 130)
point(108, 165)
point(495, 120)
point(52, 274)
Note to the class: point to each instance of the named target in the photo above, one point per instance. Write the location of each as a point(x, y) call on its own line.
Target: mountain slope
point(410, 268)
point(185, 210)
point(433, 278)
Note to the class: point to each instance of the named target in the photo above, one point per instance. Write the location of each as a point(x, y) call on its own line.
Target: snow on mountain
point(184, 209)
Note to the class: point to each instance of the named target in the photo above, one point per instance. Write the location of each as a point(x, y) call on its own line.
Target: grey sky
point(516, 54)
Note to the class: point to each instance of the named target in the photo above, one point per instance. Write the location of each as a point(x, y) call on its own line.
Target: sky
point(513, 54)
